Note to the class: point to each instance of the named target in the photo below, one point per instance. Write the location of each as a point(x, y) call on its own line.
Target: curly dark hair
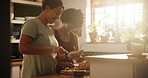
point(72, 15)
point(52, 4)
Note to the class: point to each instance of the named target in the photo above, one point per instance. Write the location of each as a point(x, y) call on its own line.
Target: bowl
point(79, 73)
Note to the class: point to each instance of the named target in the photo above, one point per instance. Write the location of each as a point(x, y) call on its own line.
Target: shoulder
point(30, 21)
point(74, 35)
point(30, 24)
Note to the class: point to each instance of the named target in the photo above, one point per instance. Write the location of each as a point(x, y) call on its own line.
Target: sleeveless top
point(69, 46)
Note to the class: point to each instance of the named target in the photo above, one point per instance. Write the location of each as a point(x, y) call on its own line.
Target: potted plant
point(141, 27)
point(130, 32)
point(141, 39)
point(108, 31)
point(93, 32)
point(127, 34)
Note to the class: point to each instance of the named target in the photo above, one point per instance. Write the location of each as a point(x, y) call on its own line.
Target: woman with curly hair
point(72, 19)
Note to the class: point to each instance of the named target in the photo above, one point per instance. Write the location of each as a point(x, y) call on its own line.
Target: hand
point(84, 66)
point(75, 54)
point(70, 65)
point(66, 64)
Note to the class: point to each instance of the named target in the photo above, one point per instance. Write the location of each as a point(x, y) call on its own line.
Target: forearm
point(29, 49)
point(65, 56)
point(61, 57)
point(25, 47)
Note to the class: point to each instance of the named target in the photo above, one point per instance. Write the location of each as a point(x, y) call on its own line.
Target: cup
point(137, 49)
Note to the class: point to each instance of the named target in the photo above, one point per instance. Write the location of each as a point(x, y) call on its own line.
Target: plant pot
point(93, 36)
point(104, 39)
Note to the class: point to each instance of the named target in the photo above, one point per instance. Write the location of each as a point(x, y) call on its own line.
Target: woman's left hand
point(75, 54)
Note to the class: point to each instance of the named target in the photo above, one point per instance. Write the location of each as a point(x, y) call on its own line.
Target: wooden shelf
point(17, 21)
point(26, 2)
point(16, 63)
point(15, 41)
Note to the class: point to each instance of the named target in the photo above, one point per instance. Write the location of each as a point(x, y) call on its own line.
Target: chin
point(50, 22)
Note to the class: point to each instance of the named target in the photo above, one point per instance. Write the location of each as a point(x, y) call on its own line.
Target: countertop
point(61, 76)
point(121, 58)
point(16, 62)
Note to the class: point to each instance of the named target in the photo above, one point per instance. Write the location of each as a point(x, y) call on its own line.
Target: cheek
point(71, 28)
point(49, 18)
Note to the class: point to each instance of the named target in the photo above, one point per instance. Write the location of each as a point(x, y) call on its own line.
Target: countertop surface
point(16, 62)
point(123, 58)
point(61, 76)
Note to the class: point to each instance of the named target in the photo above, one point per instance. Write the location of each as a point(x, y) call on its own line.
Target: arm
point(26, 48)
point(73, 54)
point(79, 57)
point(70, 55)
point(76, 41)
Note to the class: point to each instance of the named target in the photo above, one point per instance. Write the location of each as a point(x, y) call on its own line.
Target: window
point(117, 19)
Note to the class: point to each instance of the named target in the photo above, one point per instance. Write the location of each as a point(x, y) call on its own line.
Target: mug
point(137, 49)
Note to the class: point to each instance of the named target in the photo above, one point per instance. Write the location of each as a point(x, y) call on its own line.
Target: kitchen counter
point(61, 76)
point(120, 58)
point(16, 68)
point(16, 63)
point(118, 66)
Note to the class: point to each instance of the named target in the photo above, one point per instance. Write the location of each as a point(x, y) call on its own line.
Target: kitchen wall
point(96, 47)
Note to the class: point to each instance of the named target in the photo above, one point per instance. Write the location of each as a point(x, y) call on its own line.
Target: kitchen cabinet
point(20, 11)
point(118, 66)
point(22, 8)
point(16, 69)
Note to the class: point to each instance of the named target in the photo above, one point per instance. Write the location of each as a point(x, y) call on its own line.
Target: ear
point(47, 8)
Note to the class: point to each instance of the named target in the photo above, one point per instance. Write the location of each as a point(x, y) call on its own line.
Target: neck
point(42, 18)
point(63, 30)
point(64, 34)
point(66, 28)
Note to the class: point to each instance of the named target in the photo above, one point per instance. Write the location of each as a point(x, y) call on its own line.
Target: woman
point(72, 19)
point(38, 43)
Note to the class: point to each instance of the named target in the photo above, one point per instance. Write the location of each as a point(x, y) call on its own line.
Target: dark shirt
point(69, 46)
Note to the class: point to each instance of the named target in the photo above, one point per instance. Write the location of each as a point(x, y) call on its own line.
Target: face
point(72, 27)
point(53, 14)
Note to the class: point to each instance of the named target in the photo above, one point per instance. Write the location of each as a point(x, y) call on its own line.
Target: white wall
point(81, 4)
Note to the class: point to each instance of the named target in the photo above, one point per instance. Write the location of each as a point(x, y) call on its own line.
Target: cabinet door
point(15, 72)
point(110, 70)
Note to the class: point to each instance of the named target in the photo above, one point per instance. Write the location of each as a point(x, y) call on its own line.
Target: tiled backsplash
point(99, 53)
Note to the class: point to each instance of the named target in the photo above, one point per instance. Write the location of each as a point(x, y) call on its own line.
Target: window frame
point(105, 4)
